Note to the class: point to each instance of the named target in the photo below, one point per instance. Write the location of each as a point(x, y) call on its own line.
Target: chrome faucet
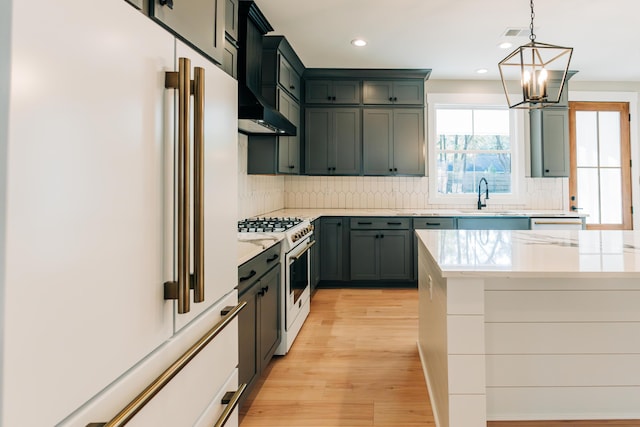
point(486, 196)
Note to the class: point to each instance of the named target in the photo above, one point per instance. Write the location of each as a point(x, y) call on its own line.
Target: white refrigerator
point(88, 155)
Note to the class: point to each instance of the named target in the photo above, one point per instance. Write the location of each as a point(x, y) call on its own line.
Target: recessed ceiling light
point(482, 71)
point(358, 42)
point(505, 45)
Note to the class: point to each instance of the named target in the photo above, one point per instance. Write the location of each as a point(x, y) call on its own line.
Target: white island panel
point(553, 316)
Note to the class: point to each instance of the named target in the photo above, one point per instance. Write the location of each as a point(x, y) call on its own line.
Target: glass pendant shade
point(541, 71)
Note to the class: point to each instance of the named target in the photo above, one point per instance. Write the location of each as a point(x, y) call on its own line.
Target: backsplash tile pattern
point(257, 194)
point(401, 192)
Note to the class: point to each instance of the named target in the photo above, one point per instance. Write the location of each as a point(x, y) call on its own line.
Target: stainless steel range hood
point(255, 115)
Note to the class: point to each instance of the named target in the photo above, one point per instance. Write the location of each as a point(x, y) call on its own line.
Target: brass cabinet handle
point(198, 184)
point(230, 399)
point(124, 416)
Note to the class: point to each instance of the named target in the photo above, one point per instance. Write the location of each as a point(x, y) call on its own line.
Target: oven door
point(297, 278)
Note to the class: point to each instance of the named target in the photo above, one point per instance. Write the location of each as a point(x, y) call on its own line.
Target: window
point(469, 141)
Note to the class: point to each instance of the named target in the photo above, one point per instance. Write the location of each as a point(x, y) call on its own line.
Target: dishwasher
point(550, 223)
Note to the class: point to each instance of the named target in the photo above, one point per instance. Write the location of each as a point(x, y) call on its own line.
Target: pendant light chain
point(532, 36)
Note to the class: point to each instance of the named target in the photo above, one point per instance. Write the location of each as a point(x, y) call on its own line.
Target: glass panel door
point(600, 163)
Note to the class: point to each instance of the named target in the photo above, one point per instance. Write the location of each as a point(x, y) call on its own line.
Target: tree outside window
point(472, 143)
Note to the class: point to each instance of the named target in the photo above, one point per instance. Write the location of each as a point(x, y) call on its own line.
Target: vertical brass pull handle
point(198, 184)
point(181, 81)
point(184, 114)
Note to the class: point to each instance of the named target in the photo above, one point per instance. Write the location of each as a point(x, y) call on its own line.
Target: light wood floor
point(354, 363)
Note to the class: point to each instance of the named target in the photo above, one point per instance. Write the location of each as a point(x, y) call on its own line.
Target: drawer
point(434, 223)
point(378, 223)
point(257, 266)
point(213, 412)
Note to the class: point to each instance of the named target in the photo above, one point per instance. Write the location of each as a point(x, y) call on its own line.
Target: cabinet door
point(220, 164)
point(318, 92)
point(344, 148)
point(200, 22)
point(331, 256)
point(409, 92)
point(248, 362)
point(408, 141)
point(82, 284)
point(395, 255)
point(231, 18)
point(269, 317)
point(288, 78)
point(555, 143)
point(315, 256)
point(377, 92)
point(364, 254)
point(377, 141)
point(318, 133)
point(289, 146)
point(346, 92)
point(493, 223)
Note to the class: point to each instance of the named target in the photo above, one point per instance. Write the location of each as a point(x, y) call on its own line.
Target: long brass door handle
point(198, 184)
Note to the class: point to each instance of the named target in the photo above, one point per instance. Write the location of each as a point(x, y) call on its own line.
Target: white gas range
point(295, 268)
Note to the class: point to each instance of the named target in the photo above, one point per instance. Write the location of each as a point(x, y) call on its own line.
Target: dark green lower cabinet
point(381, 255)
point(493, 223)
point(315, 255)
point(258, 326)
point(331, 253)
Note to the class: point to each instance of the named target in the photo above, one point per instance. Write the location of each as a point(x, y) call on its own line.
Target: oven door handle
point(306, 248)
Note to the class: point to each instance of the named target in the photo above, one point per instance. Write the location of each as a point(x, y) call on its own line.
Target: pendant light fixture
point(541, 70)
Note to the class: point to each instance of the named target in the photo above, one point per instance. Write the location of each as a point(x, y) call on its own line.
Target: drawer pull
point(394, 223)
point(434, 224)
point(126, 414)
point(273, 258)
point(364, 223)
point(253, 273)
point(231, 399)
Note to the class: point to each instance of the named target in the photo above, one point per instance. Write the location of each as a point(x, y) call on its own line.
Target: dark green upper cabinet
point(400, 92)
point(281, 71)
point(332, 141)
point(332, 92)
point(393, 141)
point(231, 18)
point(201, 23)
point(549, 136)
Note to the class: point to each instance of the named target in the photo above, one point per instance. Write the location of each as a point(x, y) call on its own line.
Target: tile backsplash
point(401, 192)
point(260, 194)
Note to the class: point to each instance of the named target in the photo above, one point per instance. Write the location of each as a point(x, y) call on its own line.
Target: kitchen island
point(530, 325)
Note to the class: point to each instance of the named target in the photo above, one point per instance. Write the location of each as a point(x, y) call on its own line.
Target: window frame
point(516, 135)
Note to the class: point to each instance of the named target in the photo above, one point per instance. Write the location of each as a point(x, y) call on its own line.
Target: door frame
point(624, 94)
point(623, 108)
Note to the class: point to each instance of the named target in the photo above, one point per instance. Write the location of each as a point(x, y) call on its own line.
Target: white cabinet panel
point(220, 185)
point(83, 297)
point(186, 396)
point(562, 403)
point(562, 306)
point(213, 412)
point(563, 370)
point(562, 338)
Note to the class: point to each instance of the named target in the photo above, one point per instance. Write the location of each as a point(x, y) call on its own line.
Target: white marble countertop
point(312, 214)
point(534, 253)
point(252, 244)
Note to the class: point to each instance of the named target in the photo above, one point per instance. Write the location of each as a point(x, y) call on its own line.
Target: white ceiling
point(456, 37)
